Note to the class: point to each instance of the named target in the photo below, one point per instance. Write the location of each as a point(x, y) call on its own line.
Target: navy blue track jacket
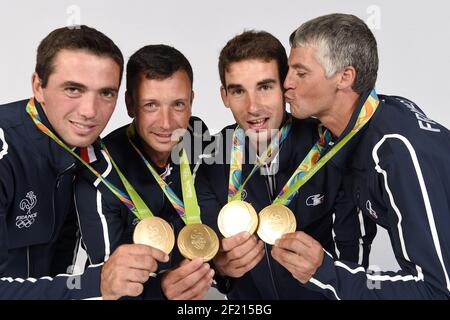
point(106, 222)
point(397, 172)
point(38, 230)
point(313, 207)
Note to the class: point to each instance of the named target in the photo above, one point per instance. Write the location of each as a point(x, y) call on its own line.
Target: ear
point(192, 100)
point(347, 78)
point(192, 96)
point(36, 85)
point(130, 105)
point(224, 95)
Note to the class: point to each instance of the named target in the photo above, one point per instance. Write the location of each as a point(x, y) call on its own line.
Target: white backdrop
point(413, 41)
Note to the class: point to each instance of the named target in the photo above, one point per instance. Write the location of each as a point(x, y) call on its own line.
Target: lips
point(163, 137)
point(258, 124)
point(83, 128)
point(288, 98)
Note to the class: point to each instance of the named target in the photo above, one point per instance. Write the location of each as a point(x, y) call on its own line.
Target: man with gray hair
point(394, 159)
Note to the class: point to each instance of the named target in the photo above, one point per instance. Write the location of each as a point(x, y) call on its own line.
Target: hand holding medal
point(195, 240)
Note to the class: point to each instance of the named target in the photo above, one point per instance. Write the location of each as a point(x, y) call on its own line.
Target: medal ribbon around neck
point(235, 185)
point(311, 164)
point(187, 209)
point(132, 201)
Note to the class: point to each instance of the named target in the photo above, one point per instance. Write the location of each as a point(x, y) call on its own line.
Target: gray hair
point(342, 40)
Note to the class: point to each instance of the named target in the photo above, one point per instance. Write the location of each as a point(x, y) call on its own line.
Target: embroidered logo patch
point(315, 200)
point(27, 205)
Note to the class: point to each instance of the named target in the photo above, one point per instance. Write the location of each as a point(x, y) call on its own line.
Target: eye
point(150, 106)
point(301, 74)
point(236, 91)
point(72, 91)
point(180, 105)
point(107, 93)
point(265, 87)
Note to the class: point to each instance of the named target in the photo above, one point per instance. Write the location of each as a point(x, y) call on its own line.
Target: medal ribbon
point(132, 201)
point(235, 185)
point(187, 209)
point(311, 164)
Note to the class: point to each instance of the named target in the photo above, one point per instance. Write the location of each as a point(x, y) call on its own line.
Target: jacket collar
point(44, 145)
point(341, 157)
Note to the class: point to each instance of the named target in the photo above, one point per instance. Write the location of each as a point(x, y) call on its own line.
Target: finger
point(292, 244)
point(199, 289)
point(126, 251)
point(184, 262)
point(141, 262)
point(251, 264)
point(181, 272)
point(144, 250)
point(135, 275)
point(195, 277)
point(301, 236)
point(230, 243)
point(132, 289)
point(159, 255)
point(202, 291)
point(245, 259)
point(245, 248)
point(285, 256)
point(298, 270)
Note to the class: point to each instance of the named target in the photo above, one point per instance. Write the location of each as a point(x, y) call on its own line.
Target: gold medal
point(274, 221)
point(237, 216)
point(155, 232)
point(198, 241)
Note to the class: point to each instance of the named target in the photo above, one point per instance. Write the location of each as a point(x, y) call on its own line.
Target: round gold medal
point(237, 216)
point(274, 221)
point(198, 241)
point(155, 232)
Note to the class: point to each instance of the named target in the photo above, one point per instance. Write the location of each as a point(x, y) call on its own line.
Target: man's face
point(161, 108)
point(80, 95)
point(308, 91)
point(253, 93)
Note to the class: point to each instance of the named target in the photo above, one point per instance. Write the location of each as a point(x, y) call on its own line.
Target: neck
point(161, 159)
point(336, 119)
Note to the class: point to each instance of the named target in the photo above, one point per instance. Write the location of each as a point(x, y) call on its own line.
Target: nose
point(88, 108)
point(165, 118)
point(288, 82)
point(253, 105)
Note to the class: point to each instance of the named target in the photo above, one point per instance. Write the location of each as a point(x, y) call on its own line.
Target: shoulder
point(11, 114)
point(308, 127)
point(118, 136)
point(401, 122)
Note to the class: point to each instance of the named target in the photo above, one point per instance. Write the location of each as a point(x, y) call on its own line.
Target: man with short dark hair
point(145, 155)
point(75, 86)
point(395, 161)
point(252, 67)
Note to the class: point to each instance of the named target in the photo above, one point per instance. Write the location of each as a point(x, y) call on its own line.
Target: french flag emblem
point(88, 154)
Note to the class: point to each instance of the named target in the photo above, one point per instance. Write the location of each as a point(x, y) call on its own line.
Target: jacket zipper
point(272, 277)
point(55, 188)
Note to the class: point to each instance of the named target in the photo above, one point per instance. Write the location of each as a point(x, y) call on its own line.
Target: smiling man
point(396, 166)
point(75, 84)
point(159, 99)
point(252, 67)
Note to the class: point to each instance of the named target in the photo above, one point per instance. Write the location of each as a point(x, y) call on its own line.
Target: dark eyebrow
point(233, 86)
point(266, 81)
point(147, 100)
point(110, 89)
point(74, 84)
point(83, 87)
